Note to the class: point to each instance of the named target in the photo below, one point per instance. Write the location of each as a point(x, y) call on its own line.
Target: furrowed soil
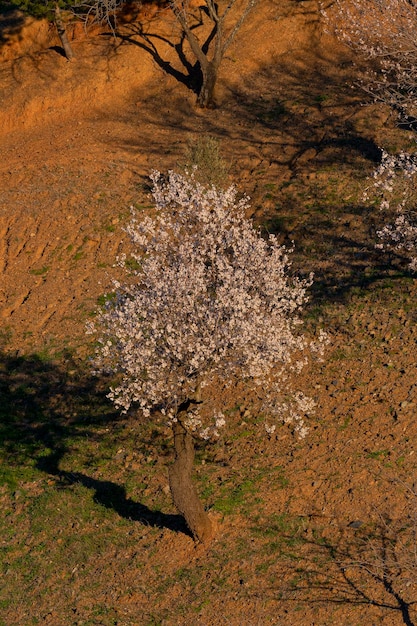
point(317, 531)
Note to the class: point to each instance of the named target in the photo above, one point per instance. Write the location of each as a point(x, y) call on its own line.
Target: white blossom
point(211, 299)
point(383, 32)
point(394, 184)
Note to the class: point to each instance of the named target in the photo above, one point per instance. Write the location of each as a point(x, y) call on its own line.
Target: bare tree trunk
point(62, 33)
point(206, 95)
point(218, 37)
point(184, 493)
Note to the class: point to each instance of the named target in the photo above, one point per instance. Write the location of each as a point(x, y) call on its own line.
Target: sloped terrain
point(318, 531)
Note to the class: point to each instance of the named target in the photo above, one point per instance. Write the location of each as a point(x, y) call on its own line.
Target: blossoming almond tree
point(210, 300)
point(384, 32)
point(395, 183)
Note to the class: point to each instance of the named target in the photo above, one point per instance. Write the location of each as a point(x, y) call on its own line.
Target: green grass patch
point(41, 271)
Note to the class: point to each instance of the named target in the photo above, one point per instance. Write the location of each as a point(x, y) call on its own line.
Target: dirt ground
point(77, 142)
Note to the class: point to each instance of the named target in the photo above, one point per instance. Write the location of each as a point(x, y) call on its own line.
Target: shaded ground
point(318, 531)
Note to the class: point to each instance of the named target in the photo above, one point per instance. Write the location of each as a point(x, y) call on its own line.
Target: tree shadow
point(349, 263)
point(112, 496)
point(258, 115)
point(180, 67)
point(317, 132)
point(11, 22)
point(370, 565)
point(314, 105)
point(59, 50)
point(191, 77)
point(44, 409)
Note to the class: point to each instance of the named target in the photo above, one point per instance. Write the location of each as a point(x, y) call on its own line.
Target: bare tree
point(62, 33)
point(63, 13)
point(226, 18)
point(97, 11)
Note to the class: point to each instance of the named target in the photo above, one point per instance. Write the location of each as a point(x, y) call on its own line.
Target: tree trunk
point(184, 493)
point(62, 33)
point(205, 98)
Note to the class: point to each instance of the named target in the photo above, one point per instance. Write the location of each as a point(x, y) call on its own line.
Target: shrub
point(205, 162)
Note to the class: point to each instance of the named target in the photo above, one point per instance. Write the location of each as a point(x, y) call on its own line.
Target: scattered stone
point(355, 524)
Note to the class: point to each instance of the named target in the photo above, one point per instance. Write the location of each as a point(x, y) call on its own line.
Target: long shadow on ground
point(44, 409)
point(369, 565)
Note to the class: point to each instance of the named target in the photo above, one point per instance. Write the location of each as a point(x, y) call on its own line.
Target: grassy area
point(89, 534)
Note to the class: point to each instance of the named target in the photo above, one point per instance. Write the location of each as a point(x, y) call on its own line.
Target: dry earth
point(77, 143)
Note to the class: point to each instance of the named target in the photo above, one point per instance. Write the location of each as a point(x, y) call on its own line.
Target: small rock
point(357, 523)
